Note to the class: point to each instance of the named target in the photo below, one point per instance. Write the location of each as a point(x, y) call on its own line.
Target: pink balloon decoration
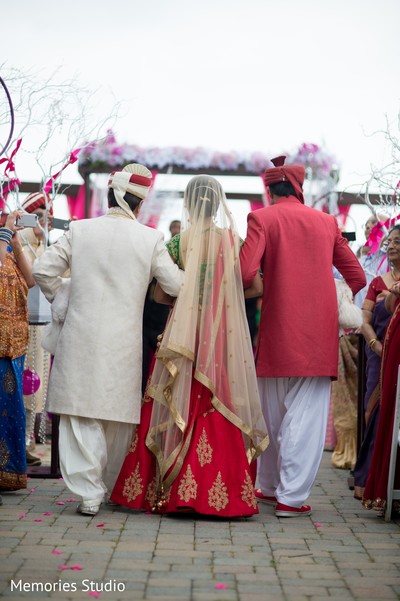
point(30, 382)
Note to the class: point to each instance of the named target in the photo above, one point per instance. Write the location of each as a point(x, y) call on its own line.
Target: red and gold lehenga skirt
point(215, 477)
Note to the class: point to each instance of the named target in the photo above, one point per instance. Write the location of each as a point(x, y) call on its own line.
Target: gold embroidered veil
point(207, 336)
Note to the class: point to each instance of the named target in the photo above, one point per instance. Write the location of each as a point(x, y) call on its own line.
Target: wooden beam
point(70, 189)
point(352, 198)
point(344, 198)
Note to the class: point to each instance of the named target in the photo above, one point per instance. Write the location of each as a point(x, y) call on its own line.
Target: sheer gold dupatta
point(207, 336)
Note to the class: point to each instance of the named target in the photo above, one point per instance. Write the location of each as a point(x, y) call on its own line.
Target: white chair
point(392, 493)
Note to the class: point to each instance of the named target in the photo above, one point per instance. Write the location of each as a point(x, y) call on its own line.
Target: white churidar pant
point(296, 414)
point(92, 452)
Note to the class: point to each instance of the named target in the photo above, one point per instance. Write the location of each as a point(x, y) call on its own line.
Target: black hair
point(282, 189)
point(202, 195)
point(395, 228)
point(132, 200)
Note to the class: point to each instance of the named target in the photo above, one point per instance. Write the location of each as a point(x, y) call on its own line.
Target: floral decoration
point(317, 162)
point(108, 154)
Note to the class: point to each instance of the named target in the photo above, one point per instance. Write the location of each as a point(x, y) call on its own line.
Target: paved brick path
point(340, 552)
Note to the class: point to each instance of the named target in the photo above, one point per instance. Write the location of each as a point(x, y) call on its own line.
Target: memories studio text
point(86, 585)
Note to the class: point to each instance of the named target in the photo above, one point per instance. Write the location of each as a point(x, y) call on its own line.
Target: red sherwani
point(296, 246)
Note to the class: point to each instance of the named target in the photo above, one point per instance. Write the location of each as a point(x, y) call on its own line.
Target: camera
point(60, 224)
point(350, 236)
point(27, 220)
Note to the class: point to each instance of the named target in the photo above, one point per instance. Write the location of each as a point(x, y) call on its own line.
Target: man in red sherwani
point(297, 355)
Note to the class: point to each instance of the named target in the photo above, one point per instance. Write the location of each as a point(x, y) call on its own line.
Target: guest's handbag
point(349, 315)
point(256, 288)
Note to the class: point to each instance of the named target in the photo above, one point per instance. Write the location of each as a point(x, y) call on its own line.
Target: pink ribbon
point(10, 166)
point(13, 182)
point(376, 234)
point(10, 163)
point(375, 237)
point(72, 158)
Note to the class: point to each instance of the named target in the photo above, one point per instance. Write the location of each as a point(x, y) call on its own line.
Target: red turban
point(37, 200)
point(294, 174)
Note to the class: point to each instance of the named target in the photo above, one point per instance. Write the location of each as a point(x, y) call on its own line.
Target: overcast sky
point(251, 75)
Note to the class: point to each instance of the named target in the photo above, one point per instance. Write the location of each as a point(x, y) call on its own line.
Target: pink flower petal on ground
point(100, 525)
point(63, 567)
point(220, 585)
point(94, 594)
point(60, 503)
point(57, 552)
point(317, 525)
point(77, 567)
point(47, 513)
point(61, 478)
point(72, 500)
point(23, 515)
point(40, 454)
point(32, 490)
point(38, 520)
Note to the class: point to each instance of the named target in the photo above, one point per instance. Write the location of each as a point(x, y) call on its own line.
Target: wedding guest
point(376, 488)
point(375, 320)
point(15, 279)
point(372, 255)
point(36, 359)
point(95, 381)
point(174, 227)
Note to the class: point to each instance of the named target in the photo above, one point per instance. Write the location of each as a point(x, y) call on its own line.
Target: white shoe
point(88, 507)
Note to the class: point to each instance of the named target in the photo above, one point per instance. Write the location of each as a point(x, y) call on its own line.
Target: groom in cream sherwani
point(95, 381)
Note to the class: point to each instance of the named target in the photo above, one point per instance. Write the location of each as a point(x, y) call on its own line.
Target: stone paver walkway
point(341, 552)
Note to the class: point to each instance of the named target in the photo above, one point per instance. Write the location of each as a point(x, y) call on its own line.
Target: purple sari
point(380, 319)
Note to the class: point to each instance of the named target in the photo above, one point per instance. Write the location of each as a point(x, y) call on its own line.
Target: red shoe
point(263, 499)
point(285, 511)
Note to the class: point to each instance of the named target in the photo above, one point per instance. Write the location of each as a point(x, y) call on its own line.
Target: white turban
point(135, 179)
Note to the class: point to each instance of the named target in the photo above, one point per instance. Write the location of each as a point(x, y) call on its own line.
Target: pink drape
point(76, 204)
point(342, 216)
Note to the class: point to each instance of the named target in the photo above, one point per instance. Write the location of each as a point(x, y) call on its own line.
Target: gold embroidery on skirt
point(151, 492)
point(9, 383)
point(4, 453)
point(187, 487)
point(248, 495)
point(217, 495)
point(204, 450)
point(12, 481)
point(133, 486)
point(134, 442)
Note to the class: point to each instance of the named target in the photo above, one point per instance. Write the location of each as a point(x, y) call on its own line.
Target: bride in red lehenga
point(201, 423)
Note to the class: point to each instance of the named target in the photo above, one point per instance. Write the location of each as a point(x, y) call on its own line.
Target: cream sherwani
point(97, 367)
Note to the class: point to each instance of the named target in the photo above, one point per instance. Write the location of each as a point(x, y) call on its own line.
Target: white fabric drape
point(296, 413)
point(91, 454)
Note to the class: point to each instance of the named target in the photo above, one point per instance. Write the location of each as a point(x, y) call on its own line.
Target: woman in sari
point(375, 493)
point(15, 279)
point(375, 320)
point(201, 424)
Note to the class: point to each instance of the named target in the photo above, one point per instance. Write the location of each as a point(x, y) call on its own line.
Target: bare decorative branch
point(53, 116)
